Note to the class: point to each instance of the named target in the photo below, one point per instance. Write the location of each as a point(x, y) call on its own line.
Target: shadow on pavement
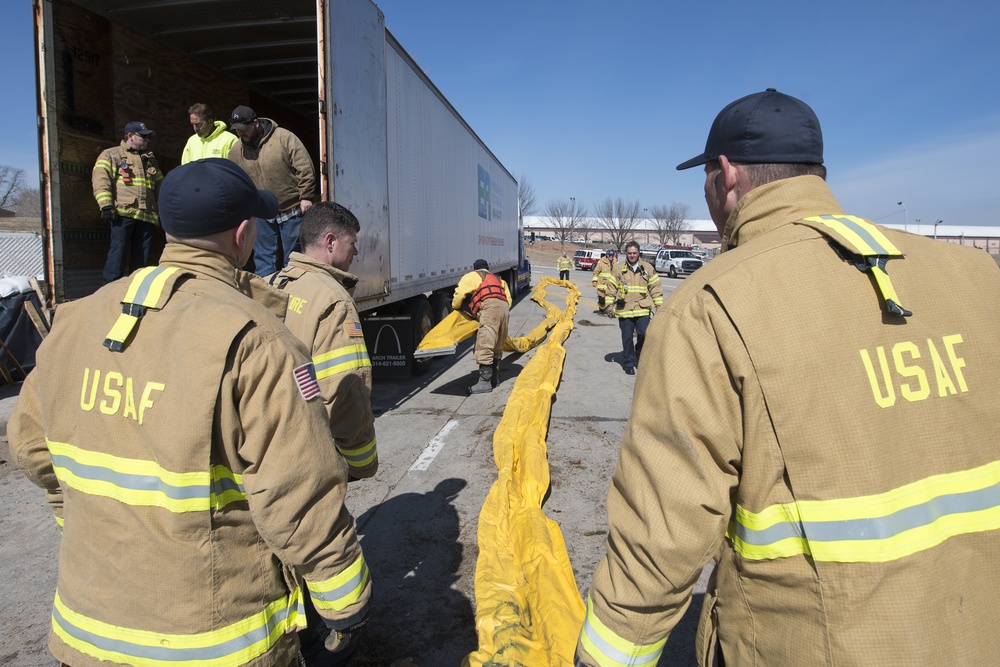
point(413, 548)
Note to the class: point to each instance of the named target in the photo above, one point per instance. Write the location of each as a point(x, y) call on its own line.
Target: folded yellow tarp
point(528, 607)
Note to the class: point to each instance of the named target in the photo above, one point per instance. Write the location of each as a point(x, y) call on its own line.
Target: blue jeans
point(630, 350)
point(275, 242)
point(131, 241)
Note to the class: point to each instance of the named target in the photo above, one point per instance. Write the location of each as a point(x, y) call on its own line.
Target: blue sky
point(593, 99)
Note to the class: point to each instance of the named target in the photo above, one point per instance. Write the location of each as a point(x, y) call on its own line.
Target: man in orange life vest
point(484, 297)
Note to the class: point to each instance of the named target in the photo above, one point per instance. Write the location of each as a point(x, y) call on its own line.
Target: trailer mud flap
point(390, 346)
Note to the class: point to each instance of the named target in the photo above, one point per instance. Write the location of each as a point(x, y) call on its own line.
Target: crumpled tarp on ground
point(528, 607)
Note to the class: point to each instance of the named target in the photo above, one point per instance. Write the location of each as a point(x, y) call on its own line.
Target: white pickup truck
point(675, 262)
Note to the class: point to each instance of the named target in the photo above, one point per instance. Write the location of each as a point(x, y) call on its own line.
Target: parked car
point(585, 258)
point(677, 262)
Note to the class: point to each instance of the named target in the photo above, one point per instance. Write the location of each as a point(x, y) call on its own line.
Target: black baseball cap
point(480, 264)
point(767, 127)
point(208, 196)
point(241, 118)
point(138, 127)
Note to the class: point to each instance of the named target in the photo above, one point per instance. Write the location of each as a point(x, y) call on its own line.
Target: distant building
point(4, 213)
point(703, 233)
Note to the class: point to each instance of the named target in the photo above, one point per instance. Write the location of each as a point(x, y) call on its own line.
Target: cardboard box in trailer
point(431, 196)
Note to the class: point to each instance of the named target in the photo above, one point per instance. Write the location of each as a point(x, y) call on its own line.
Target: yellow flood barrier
point(457, 326)
point(528, 607)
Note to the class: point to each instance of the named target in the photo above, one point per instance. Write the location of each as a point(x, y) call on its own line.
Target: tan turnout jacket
point(167, 464)
point(641, 289)
point(279, 163)
point(322, 314)
point(841, 462)
point(127, 180)
point(602, 271)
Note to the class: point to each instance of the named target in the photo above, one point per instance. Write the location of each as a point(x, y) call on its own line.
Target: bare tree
point(526, 199)
point(619, 218)
point(565, 217)
point(671, 222)
point(10, 184)
point(29, 203)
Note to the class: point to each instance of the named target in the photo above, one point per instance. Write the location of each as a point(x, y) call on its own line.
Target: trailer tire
point(440, 306)
point(419, 310)
point(511, 279)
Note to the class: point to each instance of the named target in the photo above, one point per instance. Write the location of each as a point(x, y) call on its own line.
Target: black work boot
point(495, 379)
point(484, 385)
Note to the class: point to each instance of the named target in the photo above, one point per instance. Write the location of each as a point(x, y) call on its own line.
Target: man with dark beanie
point(160, 420)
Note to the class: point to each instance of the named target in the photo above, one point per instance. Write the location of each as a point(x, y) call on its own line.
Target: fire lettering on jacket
point(117, 395)
point(296, 303)
point(915, 373)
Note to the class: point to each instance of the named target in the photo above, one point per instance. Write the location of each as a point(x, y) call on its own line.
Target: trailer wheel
point(422, 317)
point(512, 283)
point(440, 306)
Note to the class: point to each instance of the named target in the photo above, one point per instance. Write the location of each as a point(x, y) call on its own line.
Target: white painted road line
point(426, 457)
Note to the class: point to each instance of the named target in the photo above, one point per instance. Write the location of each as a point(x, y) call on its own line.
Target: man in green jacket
point(210, 138)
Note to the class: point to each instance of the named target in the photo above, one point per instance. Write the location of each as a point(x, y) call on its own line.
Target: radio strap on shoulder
point(150, 289)
point(869, 250)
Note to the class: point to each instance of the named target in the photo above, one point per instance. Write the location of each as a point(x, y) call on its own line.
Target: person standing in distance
point(277, 161)
point(602, 271)
point(565, 265)
point(160, 420)
point(124, 180)
point(210, 138)
point(795, 422)
point(633, 289)
point(484, 297)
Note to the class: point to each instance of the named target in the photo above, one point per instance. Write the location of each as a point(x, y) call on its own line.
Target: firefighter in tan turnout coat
point(322, 314)
point(161, 420)
point(816, 412)
point(484, 296)
point(602, 271)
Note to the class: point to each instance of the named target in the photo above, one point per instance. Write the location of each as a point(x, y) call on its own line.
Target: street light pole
point(936, 223)
point(904, 214)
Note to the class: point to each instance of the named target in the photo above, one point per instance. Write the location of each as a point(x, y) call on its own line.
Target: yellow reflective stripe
point(103, 164)
point(866, 238)
point(884, 284)
point(147, 285)
point(359, 457)
point(343, 590)
point(641, 312)
point(231, 646)
point(144, 483)
point(59, 521)
point(104, 199)
point(142, 216)
point(610, 650)
point(635, 289)
point(146, 289)
point(341, 360)
point(122, 328)
point(876, 528)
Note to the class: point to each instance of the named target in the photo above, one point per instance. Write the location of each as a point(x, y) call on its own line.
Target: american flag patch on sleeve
point(354, 329)
point(305, 379)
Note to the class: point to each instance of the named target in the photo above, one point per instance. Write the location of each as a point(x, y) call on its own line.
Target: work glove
point(620, 304)
point(109, 214)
